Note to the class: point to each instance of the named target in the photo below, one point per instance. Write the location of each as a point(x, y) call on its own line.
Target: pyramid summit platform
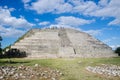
point(61, 42)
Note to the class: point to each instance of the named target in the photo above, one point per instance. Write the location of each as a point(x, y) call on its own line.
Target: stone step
point(37, 45)
point(37, 40)
point(66, 50)
point(41, 38)
point(32, 37)
point(41, 51)
point(46, 35)
point(29, 45)
point(23, 47)
point(30, 40)
point(46, 55)
point(41, 42)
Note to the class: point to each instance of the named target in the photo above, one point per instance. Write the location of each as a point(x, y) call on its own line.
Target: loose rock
point(109, 70)
point(28, 73)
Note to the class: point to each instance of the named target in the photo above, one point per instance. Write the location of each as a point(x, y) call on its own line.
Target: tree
point(117, 51)
point(0, 45)
point(15, 53)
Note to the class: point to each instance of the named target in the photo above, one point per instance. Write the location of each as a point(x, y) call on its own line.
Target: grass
point(72, 68)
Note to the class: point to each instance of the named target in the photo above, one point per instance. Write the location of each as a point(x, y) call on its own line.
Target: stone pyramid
point(61, 42)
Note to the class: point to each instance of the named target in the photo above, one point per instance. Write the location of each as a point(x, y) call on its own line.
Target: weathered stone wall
point(62, 42)
point(86, 45)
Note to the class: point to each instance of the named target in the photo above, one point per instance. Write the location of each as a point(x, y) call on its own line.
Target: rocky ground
point(104, 69)
point(28, 73)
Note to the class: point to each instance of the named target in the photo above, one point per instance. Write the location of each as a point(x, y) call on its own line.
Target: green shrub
point(15, 53)
point(117, 51)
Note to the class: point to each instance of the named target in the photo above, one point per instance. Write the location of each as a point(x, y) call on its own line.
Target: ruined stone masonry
point(62, 42)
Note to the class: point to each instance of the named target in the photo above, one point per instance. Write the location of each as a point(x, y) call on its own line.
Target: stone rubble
point(104, 69)
point(28, 73)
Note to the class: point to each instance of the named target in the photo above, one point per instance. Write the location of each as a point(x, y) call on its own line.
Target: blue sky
point(99, 18)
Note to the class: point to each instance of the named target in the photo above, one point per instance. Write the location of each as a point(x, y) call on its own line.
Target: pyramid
point(61, 42)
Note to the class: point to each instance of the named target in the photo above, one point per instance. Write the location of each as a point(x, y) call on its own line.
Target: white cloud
point(10, 26)
point(62, 6)
point(85, 8)
point(2, 29)
point(94, 32)
point(26, 1)
point(114, 46)
point(110, 39)
point(10, 32)
point(107, 40)
point(115, 22)
point(7, 20)
point(36, 19)
point(103, 2)
point(110, 10)
point(54, 6)
point(67, 22)
point(72, 21)
point(44, 23)
point(104, 8)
